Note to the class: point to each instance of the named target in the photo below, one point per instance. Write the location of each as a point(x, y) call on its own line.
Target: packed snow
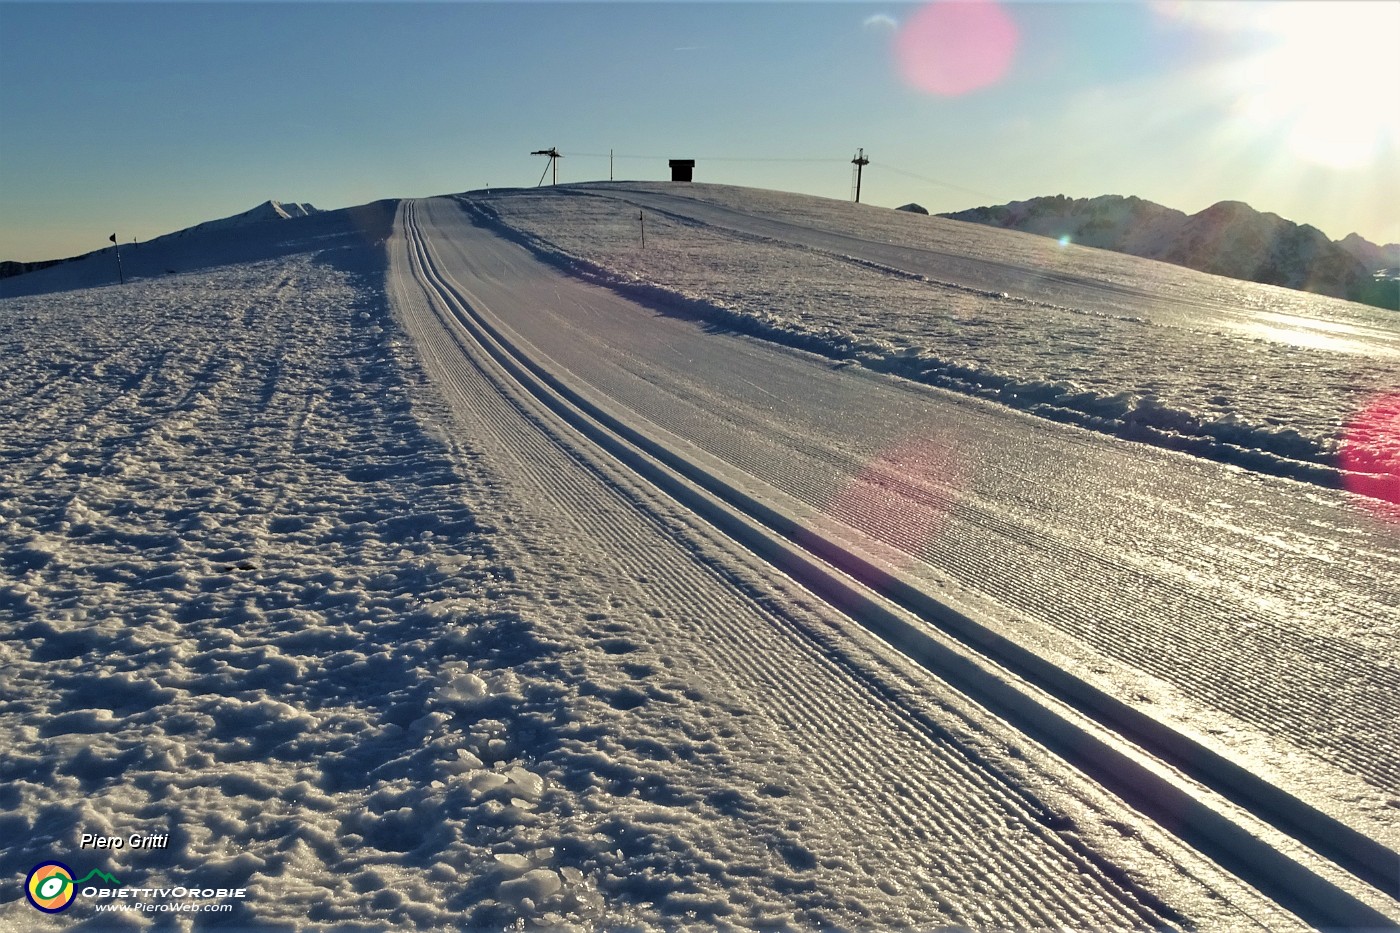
point(1255, 375)
point(1257, 609)
point(290, 572)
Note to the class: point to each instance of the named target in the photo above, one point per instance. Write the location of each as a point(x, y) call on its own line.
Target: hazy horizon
point(144, 119)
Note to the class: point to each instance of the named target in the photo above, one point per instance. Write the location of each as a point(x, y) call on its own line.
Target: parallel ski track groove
point(698, 595)
point(1269, 699)
point(805, 706)
point(1365, 858)
point(742, 661)
point(1287, 880)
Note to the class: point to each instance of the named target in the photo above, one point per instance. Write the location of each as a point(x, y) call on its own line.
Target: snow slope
point(1254, 607)
point(272, 228)
point(292, 569)
point(1247, 374)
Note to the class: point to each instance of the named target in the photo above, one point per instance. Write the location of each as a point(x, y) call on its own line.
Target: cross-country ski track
point(946, 671)
point(461, 563)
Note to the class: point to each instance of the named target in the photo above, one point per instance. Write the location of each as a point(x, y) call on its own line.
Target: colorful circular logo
point(50, 887)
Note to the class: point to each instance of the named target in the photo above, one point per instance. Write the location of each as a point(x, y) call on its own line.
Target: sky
point(144, 118)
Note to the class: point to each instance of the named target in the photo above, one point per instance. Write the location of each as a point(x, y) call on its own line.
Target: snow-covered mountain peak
point(267, 210)
point(288, 209)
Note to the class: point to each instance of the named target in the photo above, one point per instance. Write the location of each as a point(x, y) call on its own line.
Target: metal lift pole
point(860, 162)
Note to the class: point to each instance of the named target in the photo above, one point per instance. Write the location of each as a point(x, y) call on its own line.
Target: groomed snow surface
point(292, 571)
point(1263, 377)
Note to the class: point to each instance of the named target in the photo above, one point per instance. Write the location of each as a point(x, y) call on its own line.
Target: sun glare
point(1329, 81)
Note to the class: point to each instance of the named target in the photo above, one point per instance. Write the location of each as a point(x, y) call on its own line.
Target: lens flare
point(902, 497)
point(1370, 455)
point(952, 47)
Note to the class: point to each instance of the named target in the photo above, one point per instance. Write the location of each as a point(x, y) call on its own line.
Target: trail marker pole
point(643, 218)
point(121, 280)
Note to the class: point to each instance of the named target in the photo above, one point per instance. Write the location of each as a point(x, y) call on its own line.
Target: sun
point(1328, 80)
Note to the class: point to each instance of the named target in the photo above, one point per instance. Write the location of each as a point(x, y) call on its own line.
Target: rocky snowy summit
point(264, 212)
point(1385, 258)
point(1229, 238)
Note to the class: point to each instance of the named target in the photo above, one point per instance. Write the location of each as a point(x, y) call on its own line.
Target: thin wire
point(932, 181)
point(604, 155)
point(882, 165)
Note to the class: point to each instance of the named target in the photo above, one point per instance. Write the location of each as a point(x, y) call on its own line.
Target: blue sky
point(144, 118)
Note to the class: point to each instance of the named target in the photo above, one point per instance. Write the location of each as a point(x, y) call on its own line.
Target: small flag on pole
point(121, 279)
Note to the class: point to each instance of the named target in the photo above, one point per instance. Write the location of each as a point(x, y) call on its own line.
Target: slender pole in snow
point(643, 218)
point(121, 280)
point(610, 152)
point(860, 162)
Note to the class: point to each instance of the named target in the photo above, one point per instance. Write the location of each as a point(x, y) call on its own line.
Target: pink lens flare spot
point(951, 47)
point(902, 497)
point(1370, 454)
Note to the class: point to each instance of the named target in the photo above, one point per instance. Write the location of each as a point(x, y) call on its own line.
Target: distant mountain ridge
point(267, 231)
point(266, 211)
point(1229, 238)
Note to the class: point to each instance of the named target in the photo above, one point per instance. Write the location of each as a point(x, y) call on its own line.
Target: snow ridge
point(1279, 450)
point(264, 212)
point(271, 229)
